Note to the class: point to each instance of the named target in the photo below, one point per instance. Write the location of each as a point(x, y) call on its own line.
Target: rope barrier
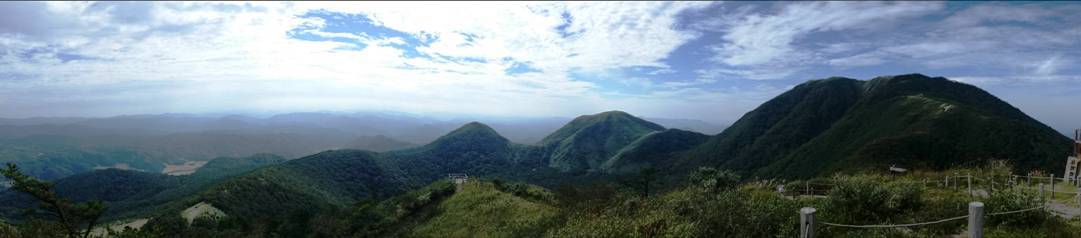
point(925, 223)
point(895, 225)
point(1017, 211)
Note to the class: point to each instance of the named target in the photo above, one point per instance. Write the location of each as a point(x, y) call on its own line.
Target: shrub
point(1012, 199)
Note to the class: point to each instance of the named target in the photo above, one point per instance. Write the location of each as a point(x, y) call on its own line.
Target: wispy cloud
point(705, 60)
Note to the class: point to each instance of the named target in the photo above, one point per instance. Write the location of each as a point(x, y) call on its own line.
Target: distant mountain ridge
point(816, 128)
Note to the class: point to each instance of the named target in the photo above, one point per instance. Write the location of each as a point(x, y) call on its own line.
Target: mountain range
point(52, 148)
point(817, 128)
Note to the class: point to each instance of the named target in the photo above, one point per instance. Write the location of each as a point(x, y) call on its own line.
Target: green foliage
point(132, 192)
point(481, 210)
point(652, 149)
point(526, 191)
point(913, 121)
point(688, 212)
point(589, 141)
point(1012, 199)
point(712, 180)
point(77, 219)
point(863, 199)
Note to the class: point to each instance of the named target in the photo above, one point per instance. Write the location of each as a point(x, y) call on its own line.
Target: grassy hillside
point(588, 141)
point(653, 148)
point(704, 205)
point(779, 125)
point(482, 209)
point(133, 192)
point(311, 182)
point(913, 121)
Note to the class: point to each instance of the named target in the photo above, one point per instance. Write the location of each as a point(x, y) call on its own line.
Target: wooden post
point(1052, 186)
point(968, 179)
point(807, 188)
point(807, 222)
point(1028, 179)
point(975, 219)
point(992, 179)
point(1041, 192)
point(947, 181)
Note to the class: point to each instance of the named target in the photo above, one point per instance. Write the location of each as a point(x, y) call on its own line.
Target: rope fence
point(970, 183)
point(976, 214)
point(1017, 211)
point(975, 220)
point(895, 225)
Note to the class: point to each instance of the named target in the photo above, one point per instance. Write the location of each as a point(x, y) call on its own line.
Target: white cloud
point(769, 39)
point(1050, 66)
point(166, 57)
point(764, 45)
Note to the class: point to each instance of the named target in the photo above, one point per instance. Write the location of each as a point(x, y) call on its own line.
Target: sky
point(711, 61)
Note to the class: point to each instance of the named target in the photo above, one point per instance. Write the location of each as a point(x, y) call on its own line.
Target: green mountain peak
point(587, 141)
point(471, 136)
point(912, 120)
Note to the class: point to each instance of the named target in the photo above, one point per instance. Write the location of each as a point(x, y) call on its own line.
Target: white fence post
point(807, 188)
point(955, 185)
point(806, 222)
point(968, 179)
point(975, 219)
point(947, 181)
point(1041, 193)
point(1052, 186)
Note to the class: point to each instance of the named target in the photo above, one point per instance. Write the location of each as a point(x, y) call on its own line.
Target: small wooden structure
point(458, 179)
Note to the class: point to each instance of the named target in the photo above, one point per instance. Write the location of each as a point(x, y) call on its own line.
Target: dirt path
point(1064, 210)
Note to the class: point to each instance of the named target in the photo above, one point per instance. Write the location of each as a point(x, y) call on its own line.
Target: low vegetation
point(710, 203)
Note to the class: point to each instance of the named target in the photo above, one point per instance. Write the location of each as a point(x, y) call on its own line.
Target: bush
point(1014, 199)
point(711, 179)
point(857, 201)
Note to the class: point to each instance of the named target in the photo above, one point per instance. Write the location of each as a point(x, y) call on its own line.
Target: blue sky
point(712, 61)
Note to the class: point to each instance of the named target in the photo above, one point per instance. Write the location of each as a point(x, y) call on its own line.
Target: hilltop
point(914, 121)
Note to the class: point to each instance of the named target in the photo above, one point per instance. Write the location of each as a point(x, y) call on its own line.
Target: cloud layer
point(701, 60)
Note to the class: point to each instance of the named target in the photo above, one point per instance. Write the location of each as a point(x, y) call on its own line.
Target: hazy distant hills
point(52, 148)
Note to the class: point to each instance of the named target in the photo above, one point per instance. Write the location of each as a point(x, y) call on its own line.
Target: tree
point(711, 179)
point(646, 177)
point(72, 216)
